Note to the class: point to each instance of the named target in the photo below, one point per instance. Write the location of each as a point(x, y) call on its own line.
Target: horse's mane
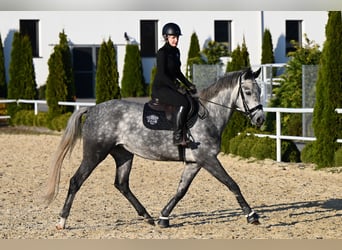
point(227, 81)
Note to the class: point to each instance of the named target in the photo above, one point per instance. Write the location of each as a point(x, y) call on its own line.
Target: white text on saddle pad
point(152, 119)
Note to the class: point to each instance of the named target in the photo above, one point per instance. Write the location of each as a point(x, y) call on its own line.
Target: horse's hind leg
point(189, 173)
point(86, 168)
point(123, 160)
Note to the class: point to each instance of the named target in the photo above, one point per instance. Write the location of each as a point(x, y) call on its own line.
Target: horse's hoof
point(59, 227)
point(253, 218)
point(150, 221)
point(255, 222)
point(164, 223)
point(61, 224)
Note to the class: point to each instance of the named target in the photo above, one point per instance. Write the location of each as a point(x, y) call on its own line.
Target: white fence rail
point(278, 136)
point(37, 103)
point(77, 105)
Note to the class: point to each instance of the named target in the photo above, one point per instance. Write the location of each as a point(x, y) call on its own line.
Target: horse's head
point(248, 100)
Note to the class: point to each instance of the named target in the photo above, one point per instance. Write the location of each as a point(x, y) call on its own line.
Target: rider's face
point(173, 40)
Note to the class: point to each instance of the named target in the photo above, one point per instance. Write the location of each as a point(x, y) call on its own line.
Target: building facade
point(86, 30)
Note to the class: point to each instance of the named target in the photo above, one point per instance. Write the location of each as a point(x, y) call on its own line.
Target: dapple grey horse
point(116, 128)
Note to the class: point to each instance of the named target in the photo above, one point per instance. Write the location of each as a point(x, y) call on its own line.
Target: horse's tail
point(71, 133)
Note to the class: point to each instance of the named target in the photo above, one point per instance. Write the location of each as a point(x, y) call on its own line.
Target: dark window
point(31, 29)
point(223, 32)
point(82, 59)
point(84, 66)
point(293, 33)
point(148, 38)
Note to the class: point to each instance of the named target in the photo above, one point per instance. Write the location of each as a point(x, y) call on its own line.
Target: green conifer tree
point(56, 89)
point(22, 83)
point(107, 76)
point(245, 55)
point(326, 122)
point(3, 82)
point(133, 82)
point(236, 60)
point(267, 55)
point(60, 82)
point(30, 90)
point(15, 85)
point(67, 67)
point(194, 52)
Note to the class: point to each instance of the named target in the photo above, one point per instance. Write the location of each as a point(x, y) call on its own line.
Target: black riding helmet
point(171, 29)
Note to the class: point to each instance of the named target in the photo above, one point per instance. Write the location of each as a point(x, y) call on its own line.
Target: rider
point(169, 81)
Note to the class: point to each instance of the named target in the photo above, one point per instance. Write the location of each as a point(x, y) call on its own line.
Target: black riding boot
point(180, 124)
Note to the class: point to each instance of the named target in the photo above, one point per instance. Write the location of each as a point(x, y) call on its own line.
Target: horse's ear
point(247, 73)
point(257, 73)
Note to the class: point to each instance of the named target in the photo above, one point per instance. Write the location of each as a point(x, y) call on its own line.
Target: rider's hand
point(192, 89)
point(181, 90)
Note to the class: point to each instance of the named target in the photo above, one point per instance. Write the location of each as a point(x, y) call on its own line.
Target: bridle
point(249, 112)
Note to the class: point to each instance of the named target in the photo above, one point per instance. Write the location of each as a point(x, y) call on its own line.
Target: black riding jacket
point(169, 68)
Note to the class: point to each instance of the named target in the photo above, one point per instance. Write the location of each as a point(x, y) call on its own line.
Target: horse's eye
point(248, 92)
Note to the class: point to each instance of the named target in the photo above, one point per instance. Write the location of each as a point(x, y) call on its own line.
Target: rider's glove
point(181, 90)
point(192, 89)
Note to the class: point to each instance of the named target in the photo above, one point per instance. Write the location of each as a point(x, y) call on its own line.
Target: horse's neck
point(221, 107)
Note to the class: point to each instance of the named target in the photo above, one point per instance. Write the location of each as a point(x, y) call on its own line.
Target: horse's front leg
point(189, 173)
point(214, 167)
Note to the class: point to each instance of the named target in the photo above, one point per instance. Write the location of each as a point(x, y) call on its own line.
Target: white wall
point(92, 27)
point(313, 25)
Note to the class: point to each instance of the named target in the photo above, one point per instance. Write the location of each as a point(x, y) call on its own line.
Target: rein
point(227, 107)
point(221, 105)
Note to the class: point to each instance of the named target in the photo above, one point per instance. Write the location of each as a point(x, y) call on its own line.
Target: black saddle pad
point(156, 119)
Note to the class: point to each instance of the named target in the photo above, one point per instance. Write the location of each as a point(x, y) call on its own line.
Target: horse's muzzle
point(258, 117)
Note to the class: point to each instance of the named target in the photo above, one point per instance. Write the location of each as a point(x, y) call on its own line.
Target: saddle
point(161, 116)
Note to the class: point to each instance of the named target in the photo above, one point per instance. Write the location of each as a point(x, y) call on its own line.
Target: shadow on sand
point(317, 209)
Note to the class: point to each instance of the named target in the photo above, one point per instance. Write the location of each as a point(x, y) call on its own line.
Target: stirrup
point(182, 141)
point(179, 141)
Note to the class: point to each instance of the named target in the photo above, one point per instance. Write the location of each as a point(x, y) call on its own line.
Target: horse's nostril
point(260, 120)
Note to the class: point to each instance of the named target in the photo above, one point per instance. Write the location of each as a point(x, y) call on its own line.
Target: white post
point(35, 108)
point(278, 134)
